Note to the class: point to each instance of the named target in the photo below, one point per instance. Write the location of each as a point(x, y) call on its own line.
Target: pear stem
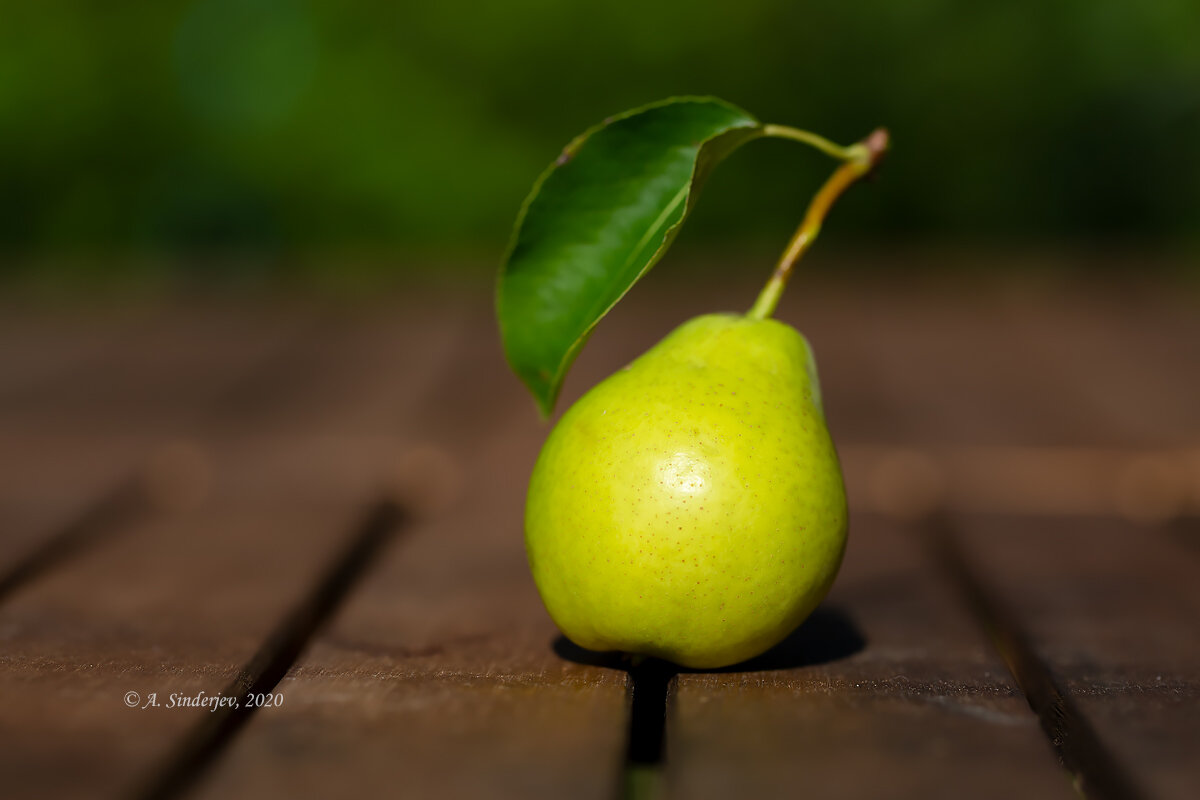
point(819, 142)
point(860, 159)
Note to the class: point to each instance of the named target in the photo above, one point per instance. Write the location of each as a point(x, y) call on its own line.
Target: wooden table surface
point(321, 502)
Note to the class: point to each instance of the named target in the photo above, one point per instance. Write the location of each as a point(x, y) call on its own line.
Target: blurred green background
point(295, 128)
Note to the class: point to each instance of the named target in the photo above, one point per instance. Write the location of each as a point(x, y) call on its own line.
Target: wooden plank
point(950, 365)
point(48, 484)
point(41, 344)
point(1025, 362)
point(1091, 611)
point(187, 375)
point(1109, 610)
point(183, 601)
point(1126, 356)
point(171, 365)
point(177, 604)
point(71, 442)
point(364, 371)
point(889, 691)
point(439, 678)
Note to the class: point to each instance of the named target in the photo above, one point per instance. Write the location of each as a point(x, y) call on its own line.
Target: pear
point(691, 506)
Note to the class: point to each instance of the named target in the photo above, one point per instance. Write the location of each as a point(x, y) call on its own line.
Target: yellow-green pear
point(691, 506)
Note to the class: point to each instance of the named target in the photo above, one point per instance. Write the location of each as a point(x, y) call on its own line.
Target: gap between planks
point(278, 653)
point(135, 497)
point(1097, 774)
point(120, 507)
point(652, 685)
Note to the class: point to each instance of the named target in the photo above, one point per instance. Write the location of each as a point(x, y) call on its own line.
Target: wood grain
point(889, 691)
point(181, 601)
point(41, 345)
point(260, 434)
point(115, 409)
point(175, 605)
point(1110, 609)
point(439, 677)
point(1092, 611)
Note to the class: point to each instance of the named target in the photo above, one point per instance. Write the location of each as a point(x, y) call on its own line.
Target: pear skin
point(691, 507)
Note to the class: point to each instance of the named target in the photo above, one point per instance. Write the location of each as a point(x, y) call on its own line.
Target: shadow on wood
point(828, 635)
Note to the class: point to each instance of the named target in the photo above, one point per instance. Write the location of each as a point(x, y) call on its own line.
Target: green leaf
point(597, 219)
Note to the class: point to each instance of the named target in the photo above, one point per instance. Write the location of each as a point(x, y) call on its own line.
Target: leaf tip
point(545, 395)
